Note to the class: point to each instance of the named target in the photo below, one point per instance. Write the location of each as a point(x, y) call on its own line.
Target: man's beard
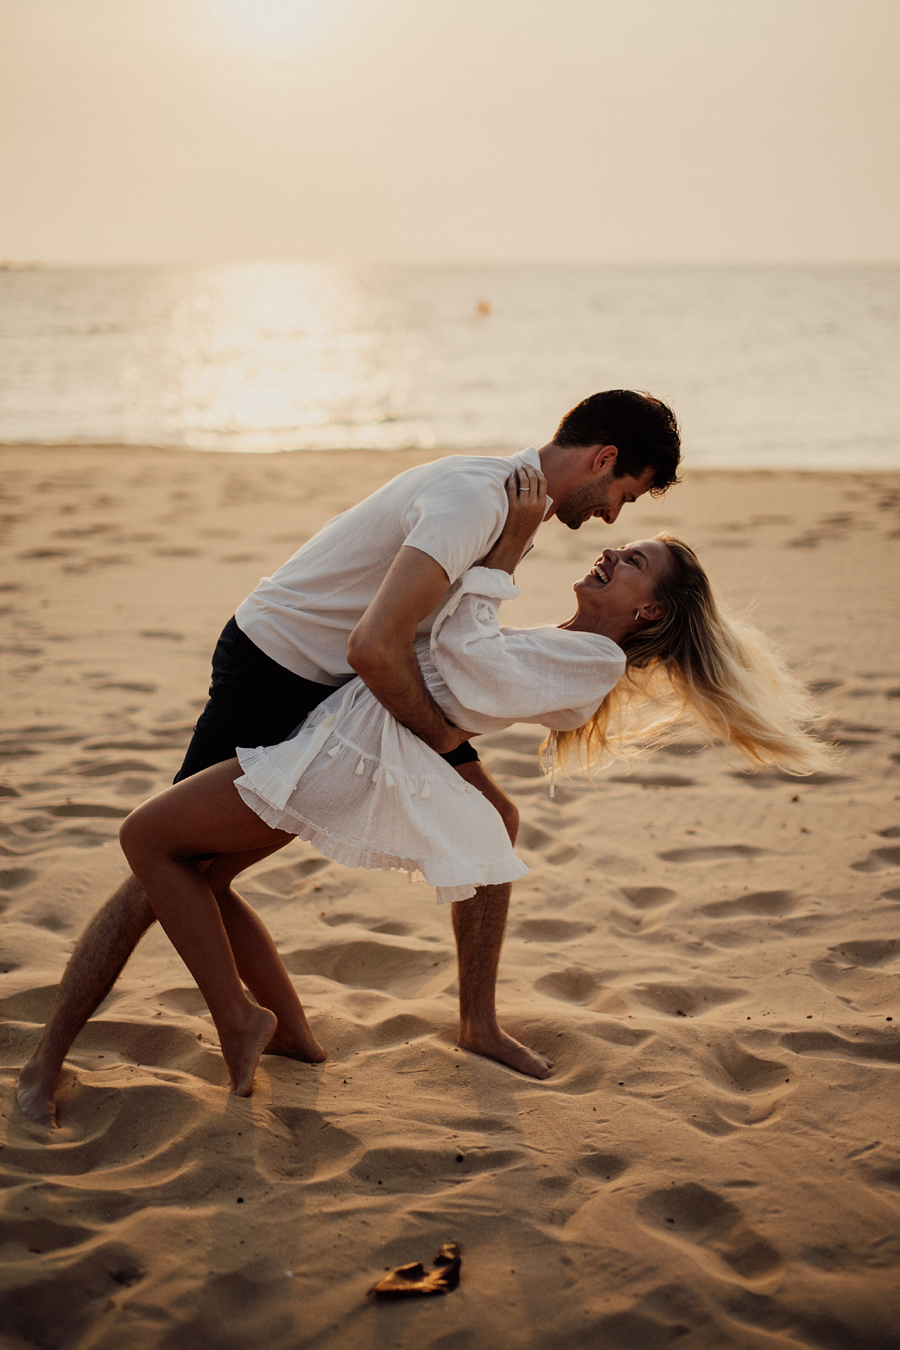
point(581, 503)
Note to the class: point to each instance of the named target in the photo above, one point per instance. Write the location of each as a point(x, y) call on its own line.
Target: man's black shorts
point(255, 701)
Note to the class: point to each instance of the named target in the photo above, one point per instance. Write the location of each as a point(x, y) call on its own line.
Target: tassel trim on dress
point(270, 784)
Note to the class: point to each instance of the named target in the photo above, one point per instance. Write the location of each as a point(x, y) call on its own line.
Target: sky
point(436, 131)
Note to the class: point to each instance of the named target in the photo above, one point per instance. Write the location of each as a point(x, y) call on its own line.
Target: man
point(354, 599)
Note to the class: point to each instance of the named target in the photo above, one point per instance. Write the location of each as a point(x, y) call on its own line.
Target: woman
point(646, 644)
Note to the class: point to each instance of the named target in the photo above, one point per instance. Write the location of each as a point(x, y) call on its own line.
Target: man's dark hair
point(642, 428)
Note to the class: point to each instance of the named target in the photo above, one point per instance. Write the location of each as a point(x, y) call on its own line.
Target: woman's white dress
point(367, 792)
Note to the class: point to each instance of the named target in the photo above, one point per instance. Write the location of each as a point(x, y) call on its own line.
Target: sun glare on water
point(270, 26)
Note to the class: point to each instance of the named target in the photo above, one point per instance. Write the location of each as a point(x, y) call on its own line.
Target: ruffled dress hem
point(397, 805)
point(351, 853)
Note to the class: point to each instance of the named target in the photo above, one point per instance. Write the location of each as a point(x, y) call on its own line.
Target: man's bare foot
point(243, 1048)
point(36, 1093)
point(299, 1043)
point(496, 1044)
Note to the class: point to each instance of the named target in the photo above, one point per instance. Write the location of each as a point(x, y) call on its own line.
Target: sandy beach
point(711, 959)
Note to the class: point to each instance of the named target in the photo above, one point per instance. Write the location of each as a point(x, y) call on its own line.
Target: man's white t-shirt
point(452, 509)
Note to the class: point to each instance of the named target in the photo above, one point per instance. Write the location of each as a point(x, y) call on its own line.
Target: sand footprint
point(97, 560)
point(30, 1007)
point(854, 734)
point(694, 1214)
point(683, 749)
point(717, 1117)
point(355, 1025)
point(562, 854)
point(868, 1045)
point(11, 747)
point(647, 897)
point(14, 878)
point(711, 853)
point(575, 984)
point(426, 1170)
point(392, 928)
point(43, 1236)
point(681, 1000)
point(129, 686)
point(823, 686)
point(631, 924)
point(396, 1030)
point(34, 554)
point(183, 999)
point(645, 900)
point(552, 930)
point(663, 780)
point(848, 970)
point(481, 1125)
point(340, 918)
point(882, 1169)
point(766, 904)
point(287, 880)
point(317, 1147)
point(618, 1033)
point(879, 860)
point(602, 1166)
point(730, 1067)
point(770, 777)
point(108, 768)
point(163, 738)
point(402, 971)
point(88, 811)
point(868, 954)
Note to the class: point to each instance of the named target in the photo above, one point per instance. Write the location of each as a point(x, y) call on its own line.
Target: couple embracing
point(346, 691)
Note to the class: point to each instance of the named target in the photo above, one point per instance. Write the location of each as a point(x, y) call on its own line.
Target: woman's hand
point(526, 490)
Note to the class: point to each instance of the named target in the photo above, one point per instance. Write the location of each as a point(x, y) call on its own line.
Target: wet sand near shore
point(711, 959)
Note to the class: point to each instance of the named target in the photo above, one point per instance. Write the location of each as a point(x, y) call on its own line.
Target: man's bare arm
point(380, 648)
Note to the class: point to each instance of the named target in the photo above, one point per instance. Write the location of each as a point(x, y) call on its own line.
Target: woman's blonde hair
point(697, 663)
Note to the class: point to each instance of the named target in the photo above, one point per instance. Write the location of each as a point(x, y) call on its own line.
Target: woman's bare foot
point(243, 1048)
point(297, 1043)
point(494, 1043)
point(36, 1093)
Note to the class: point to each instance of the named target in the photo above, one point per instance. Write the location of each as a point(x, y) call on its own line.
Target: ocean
point(766, 367)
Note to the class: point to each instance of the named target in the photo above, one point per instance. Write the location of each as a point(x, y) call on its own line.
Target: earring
point(637, 613)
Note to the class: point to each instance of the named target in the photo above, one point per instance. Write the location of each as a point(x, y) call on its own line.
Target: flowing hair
point(697, 663)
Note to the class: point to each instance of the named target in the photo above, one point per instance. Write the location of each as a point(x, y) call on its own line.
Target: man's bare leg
point(100, 956)
point(478, 926)
point(93, 968)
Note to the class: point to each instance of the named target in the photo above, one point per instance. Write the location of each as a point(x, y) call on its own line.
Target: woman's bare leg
point(259, 964)
point(203, 814)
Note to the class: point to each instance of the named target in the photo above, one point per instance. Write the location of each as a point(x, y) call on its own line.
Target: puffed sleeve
point(550, 675)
